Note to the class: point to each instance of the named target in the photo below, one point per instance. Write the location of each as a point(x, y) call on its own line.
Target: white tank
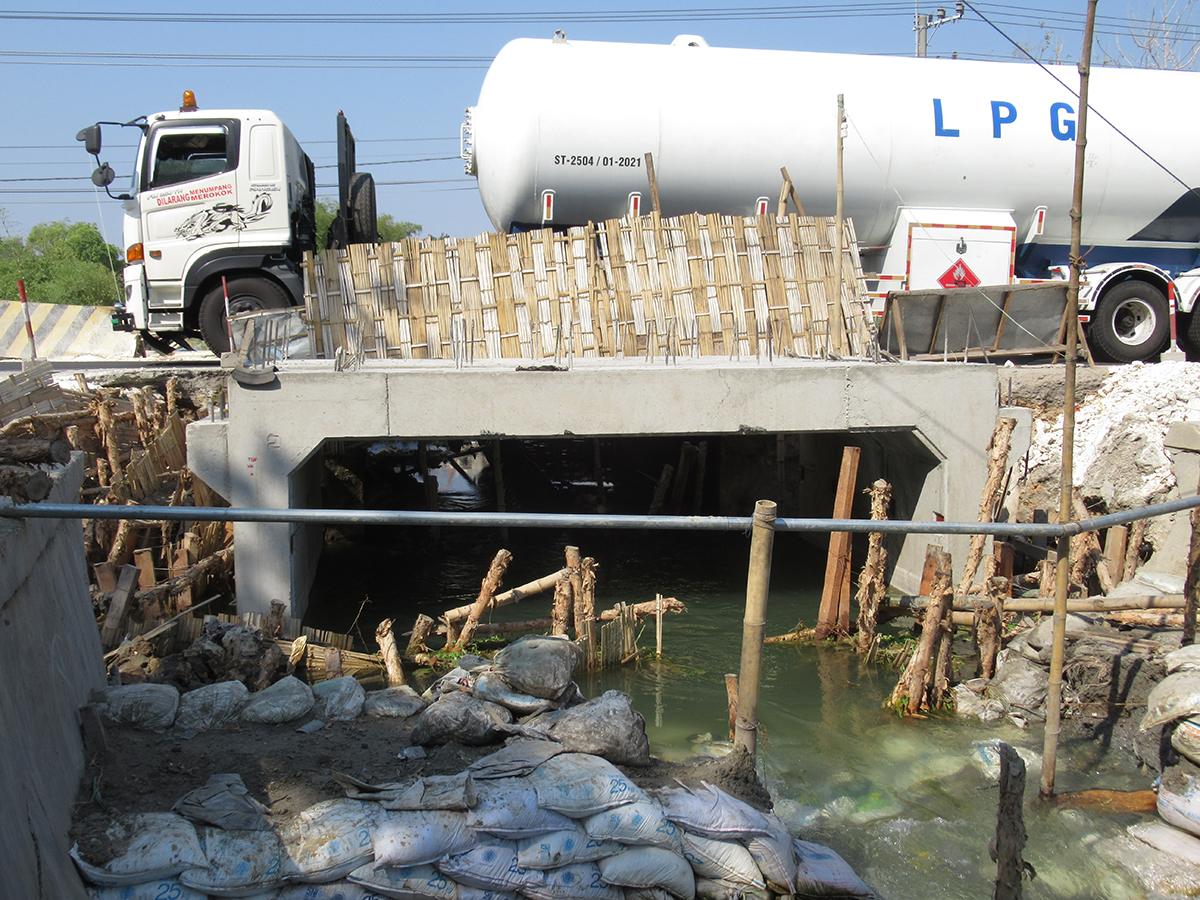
point(577, 118)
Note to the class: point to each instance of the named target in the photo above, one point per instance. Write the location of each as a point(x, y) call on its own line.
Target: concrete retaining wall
point(50, 661)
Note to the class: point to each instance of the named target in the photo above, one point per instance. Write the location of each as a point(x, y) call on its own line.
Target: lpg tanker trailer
point(957, 172)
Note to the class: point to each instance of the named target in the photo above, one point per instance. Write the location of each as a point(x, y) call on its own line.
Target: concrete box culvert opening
point(719, 475)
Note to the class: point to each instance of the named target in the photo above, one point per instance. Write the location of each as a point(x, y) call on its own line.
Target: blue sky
point(402, 72)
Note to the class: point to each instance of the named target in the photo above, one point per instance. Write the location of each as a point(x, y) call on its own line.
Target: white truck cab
point(219, 213)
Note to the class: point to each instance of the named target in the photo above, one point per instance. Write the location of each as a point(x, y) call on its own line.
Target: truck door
point(190, 200)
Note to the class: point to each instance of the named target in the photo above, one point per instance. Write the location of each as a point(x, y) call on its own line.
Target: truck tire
point(363, 220)
point(246, 294)
point(1131, 323)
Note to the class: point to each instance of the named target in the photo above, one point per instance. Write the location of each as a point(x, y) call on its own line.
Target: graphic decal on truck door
point(222, 217)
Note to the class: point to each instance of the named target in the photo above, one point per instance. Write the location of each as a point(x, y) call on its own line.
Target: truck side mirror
point(103, 176)
point(91, 140)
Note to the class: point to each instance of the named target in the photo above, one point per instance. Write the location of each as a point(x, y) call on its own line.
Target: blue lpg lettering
point(940, 130)
point(1003, 113)
point(1063, 129)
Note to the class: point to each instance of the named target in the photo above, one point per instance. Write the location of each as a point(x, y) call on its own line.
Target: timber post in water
point(1010, 837)
point(758, 582)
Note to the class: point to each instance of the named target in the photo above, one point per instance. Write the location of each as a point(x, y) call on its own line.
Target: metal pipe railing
point(574, 520)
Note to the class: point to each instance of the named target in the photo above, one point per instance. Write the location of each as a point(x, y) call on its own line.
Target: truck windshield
point(183, 154)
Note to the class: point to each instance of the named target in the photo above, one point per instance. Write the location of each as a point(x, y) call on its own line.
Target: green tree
point(60, 262)
point(389, 228)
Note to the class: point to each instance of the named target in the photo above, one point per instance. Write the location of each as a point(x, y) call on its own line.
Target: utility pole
point(926, 23)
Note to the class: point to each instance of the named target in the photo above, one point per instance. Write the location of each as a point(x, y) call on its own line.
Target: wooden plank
point(106, 578)
point(118, 607)
point(834, 615)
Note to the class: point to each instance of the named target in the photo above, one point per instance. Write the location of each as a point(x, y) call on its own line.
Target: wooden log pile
point(134, 446)
point(573, 609)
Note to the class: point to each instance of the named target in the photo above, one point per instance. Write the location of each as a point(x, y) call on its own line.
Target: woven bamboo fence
point(689, 286)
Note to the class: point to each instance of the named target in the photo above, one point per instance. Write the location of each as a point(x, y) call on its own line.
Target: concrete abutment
point(923, 426)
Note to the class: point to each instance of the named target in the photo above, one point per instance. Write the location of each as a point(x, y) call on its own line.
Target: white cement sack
point(580, 785)
point(723, 861)
point(394, 702)
point(150, 846)
point(711, 812)
point(1186, 739)
point(1181, 808)
point(240, 864)
point(1175, 697)
point(406, 882)
point(212, 706)
point(461, 718)
point(775, 856)
point(1185, 659)
point(650, 867)
point(331, 839)
point(561, 848)
point(508, 808)
point(606, 726)
point(707, 889)
point(414, 838)
point(580, 881)
point(539, 665)
point(492, 686)
point(822, 873)
point(148, 706)
point(641, 823)
point(490, 866)
point(159, 889)
point(338, 700)
point(284, 701)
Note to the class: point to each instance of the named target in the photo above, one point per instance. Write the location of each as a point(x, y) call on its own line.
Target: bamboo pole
point(997, 465)
point(487, 590)
point(758, 583)
point(386, 638)
point(1066, 478)
point(872, 588)
point(515, 595)
point(839, 224)
point(1191, 588)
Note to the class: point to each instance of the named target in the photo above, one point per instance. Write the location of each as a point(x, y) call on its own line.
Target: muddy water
point(909, 804)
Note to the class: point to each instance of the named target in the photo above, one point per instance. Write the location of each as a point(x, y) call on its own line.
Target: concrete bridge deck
point(924, 427)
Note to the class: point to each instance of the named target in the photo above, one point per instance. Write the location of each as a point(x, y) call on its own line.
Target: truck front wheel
point(246, 294)
point(1130, 323)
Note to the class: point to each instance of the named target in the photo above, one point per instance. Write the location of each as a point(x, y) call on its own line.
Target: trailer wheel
point(246, 294)
point(363, 220)
point(1131, 323)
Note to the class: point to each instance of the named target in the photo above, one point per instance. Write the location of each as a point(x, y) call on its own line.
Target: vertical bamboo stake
point(731, 696)
point(1066, 478)
point(758, 582)
point(658, 623)
point(1191, 588)
point(871, 584)
point(653, 179)
point(386, 638)
point(561, 618)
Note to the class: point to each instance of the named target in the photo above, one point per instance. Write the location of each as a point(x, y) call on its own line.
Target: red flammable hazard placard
point(958, 275)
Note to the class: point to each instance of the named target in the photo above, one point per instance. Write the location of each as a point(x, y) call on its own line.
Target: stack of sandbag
point(528, 688)
point(229, 704)
point(1174, 705)
point(529, 820)
point(554, 825)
